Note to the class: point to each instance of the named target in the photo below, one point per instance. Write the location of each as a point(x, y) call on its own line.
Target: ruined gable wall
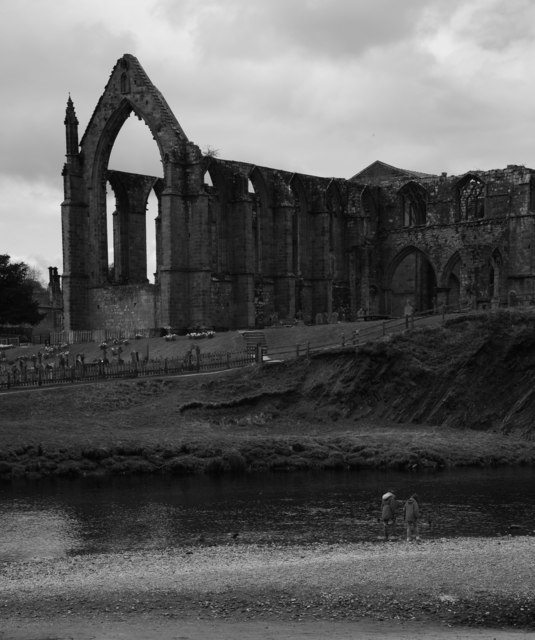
point(504, 228)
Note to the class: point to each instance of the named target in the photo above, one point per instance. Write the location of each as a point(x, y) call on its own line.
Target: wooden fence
point(41, 374)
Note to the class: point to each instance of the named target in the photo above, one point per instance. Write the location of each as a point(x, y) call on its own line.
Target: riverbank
point(434, 398)
point(474, 583)
point(400, 448)
point(233, 422)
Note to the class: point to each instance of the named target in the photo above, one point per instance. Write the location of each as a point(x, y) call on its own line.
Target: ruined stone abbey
point(242, 246)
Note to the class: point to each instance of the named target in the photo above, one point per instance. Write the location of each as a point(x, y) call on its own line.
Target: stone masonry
point(243, 246)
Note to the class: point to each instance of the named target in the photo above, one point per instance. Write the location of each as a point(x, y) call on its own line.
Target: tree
point(17, 305)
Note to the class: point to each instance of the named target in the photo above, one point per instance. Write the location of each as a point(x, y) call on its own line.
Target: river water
point(69, 517)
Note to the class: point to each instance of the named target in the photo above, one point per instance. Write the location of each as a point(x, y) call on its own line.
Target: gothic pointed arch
point(262, 222)
point(113, 108)
point(450, 280)
point(369, 205)
point(219, 224)
point(470, 198)
point(413, 203)
point(410, 276)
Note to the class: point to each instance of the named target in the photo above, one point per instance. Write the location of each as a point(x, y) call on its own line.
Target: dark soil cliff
point(476, 372)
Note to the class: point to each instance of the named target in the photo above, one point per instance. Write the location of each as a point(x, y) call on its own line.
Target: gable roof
point(378, 171)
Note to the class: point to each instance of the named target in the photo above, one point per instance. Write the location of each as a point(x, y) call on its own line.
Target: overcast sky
point(323, 87)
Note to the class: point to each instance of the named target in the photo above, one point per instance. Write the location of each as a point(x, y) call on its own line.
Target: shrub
point(235, 462)
point(182, 466)
point(5, 468)
point(335, 460)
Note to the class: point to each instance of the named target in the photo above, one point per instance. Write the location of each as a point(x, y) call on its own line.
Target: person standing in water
point(389, 507)
point(411, 515)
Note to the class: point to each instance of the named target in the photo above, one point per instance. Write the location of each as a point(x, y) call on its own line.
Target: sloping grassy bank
point(458, 395)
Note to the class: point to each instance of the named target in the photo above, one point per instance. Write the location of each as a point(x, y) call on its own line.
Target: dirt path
point(143, 628)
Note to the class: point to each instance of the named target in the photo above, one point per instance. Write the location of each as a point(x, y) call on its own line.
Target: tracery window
point(471, 198)
point(413, 204)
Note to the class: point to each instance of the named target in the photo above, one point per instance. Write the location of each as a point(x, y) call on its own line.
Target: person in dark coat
point(411, 515)
point(389, 507)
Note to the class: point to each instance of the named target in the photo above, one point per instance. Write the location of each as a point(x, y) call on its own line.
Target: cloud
point(496, 26)
point(40, 76)
point(30, 222)
point(318, 86)
point(243, 29)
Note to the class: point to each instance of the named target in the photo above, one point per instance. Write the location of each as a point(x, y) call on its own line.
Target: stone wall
point(242, 246)
point(126, 307)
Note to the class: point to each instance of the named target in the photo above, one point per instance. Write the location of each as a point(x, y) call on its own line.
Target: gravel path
point(478, 583)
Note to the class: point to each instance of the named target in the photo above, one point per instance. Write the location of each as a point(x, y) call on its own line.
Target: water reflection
point(52, 519)
point(29, 532)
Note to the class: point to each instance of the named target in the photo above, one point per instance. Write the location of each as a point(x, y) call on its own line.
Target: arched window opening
point(413, 280)
point(207, 180)
point(471, 199)
point(150, 233)
point(413, 204)
point(369, 217)
point(111, 224)
point(131, 220)
point(257, 231)
point(451, 282)
point(135, 150)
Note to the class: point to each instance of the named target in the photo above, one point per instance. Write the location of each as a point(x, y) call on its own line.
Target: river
point(119, 514)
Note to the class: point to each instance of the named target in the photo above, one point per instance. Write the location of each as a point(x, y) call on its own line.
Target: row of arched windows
point(469, 205)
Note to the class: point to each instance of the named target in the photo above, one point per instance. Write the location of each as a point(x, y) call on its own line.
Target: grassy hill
point(401, 402)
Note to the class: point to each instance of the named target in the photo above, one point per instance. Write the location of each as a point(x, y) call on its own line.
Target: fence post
point(257, 349)
point(39, 376)
point(343, 339)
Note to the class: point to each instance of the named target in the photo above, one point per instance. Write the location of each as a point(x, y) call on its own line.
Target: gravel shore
point(475, 582)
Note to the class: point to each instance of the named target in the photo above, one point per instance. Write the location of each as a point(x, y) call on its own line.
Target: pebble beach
point(447, 584)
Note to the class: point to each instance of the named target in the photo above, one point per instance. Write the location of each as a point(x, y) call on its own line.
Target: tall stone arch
point(449, 289)
point(411, 277)
point(182, 213)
